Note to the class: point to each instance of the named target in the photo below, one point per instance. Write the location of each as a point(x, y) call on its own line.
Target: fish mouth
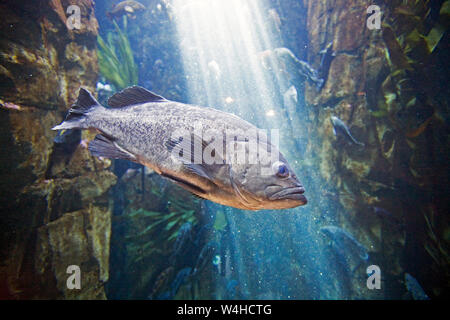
point(293, 193)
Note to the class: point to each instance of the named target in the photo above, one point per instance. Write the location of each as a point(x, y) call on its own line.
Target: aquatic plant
point(115, 58)
point(437, 243)
point(150, 239)
point(220, 222)
point(409, 45)
point(160, 225)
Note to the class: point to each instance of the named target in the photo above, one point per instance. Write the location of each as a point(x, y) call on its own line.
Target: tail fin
point(78, 113)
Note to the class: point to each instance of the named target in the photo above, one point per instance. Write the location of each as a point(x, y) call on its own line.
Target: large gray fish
point(340, 128)
point(142, 127)
point(325, 62)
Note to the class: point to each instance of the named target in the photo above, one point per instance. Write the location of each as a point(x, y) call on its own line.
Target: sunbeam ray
point(223, 46)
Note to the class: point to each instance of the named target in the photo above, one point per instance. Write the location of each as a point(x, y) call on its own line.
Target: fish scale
point(147, 135)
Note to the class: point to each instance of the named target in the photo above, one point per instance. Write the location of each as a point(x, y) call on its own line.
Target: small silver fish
point(339, 127)
point(291, 94)
point(275, 19)
point(345, 242)
point(325, 61)
point(184, 236)
point(181, 277)
point(290, 102)
point(214, 69)
point(128, 175)
point(128, 8)
point(415, 288)
point(141, 126)
point(301, 68)
point(204, 257)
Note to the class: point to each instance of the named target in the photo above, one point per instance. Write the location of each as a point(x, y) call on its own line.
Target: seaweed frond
point(436, 246)
point(116, 60)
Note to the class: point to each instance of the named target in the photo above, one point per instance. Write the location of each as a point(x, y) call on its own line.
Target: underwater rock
point(344, 70)
point(57, 248)
point(55, 208)
point(349, 34)
point(382, 83)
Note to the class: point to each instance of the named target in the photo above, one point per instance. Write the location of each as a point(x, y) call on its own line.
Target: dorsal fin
point(133, 95)
point(84, 102)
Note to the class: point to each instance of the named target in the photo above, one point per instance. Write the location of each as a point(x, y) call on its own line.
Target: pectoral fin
point(189, 150)
point(103, 146)
point(194, 189)
point(197, 169)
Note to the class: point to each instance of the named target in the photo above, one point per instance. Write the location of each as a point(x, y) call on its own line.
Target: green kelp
point(115, 58)
point(146, 236)
point(410, 103)
point(220, 222)
point(149, 225)
point(437, 243)
point(410, 41)
point(148, 244)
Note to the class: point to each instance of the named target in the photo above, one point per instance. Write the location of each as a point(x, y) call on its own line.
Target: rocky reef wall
point(386, 85)
point(54, 206)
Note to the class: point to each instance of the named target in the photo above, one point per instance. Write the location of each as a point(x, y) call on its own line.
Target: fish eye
point(280, 169)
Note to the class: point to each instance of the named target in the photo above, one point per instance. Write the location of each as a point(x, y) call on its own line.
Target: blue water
point(359, 112)
point(216, 58)
point(211, 52)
